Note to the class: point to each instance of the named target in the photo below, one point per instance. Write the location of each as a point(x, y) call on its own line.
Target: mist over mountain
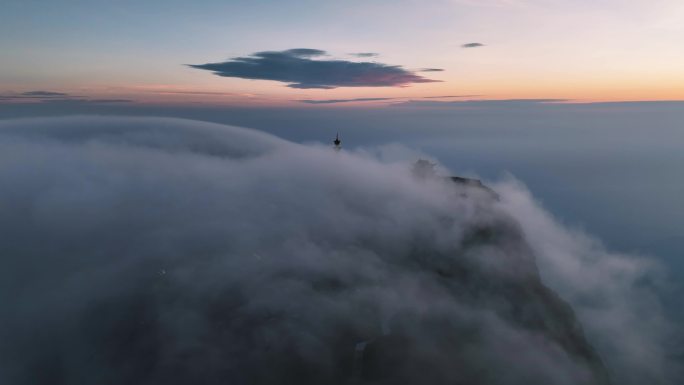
point(167, 251)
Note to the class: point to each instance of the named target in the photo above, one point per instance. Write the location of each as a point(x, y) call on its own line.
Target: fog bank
point(150, 250)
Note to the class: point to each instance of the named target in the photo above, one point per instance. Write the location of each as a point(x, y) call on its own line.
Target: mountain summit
point(163, 251)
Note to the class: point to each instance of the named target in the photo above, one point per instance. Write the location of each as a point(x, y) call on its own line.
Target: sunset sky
point(580, 50)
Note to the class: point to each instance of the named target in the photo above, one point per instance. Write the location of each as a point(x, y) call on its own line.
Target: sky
point(605, 50)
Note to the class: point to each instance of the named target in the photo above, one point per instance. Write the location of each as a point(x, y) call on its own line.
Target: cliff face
point(516, 296)
point(181, 255)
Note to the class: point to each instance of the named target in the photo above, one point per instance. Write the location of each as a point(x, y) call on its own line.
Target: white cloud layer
point(149, 250)
point(613, 294)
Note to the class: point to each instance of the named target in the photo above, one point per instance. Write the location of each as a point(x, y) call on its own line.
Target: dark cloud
point(494, 103)
point(88, 101)
point(190, 92)
point(55, 97)
point(166, 251)
point(109, 100)
point(298, 68)
point(450, 96)
point(431, 70)
point(43, 93)
point(365, 54)
point(332, 101)
point(35, 95)
point(472, 45)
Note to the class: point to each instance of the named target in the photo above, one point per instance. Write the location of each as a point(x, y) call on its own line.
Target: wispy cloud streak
point(54, 97)
point(472, 45)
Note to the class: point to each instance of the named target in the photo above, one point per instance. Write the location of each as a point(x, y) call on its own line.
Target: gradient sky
point(607, 50)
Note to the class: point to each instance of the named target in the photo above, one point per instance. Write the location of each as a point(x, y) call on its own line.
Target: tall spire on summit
point(337, 142)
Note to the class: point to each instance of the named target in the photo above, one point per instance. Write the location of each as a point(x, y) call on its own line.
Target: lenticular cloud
point(164, 251)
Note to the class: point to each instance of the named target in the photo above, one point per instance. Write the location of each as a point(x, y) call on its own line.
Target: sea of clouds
point(154, 250)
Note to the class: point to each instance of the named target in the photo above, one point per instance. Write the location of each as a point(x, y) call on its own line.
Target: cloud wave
point(163, 251)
